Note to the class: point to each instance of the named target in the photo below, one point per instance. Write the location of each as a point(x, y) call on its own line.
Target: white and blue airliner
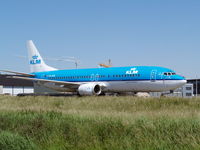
point(96, 81)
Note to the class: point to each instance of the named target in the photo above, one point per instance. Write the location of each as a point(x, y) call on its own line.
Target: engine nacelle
point(89, 89)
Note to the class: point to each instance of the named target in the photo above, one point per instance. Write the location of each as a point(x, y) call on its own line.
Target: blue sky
point(129, 32)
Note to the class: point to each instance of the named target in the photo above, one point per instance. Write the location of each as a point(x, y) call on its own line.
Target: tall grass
point(124, 107)
point(101, 122)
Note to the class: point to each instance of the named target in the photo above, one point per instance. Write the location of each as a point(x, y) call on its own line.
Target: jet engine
point(89, 89)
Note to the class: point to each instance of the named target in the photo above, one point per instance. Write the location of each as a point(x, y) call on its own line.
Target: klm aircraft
point(97, 81)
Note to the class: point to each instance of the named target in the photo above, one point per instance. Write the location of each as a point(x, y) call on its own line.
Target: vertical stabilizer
point(36, 62)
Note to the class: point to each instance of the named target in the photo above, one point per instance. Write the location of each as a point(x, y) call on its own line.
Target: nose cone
point(181, 82)
point(175, 82)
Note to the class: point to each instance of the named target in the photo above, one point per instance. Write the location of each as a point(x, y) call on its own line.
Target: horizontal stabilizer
point(18, 73)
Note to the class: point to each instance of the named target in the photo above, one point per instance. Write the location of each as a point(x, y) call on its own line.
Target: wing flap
point(51, 81)
point(18, 73)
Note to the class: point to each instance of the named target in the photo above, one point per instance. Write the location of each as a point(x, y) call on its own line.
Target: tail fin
point(36, 62)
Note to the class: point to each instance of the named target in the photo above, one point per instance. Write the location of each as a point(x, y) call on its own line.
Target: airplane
point(97, 81)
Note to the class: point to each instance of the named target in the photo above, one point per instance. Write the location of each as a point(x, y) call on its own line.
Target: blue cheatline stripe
point(115, 80)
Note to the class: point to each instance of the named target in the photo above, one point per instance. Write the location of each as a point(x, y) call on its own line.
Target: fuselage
point(118, 79)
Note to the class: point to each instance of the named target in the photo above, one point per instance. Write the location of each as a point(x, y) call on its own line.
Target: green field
point(110, 123)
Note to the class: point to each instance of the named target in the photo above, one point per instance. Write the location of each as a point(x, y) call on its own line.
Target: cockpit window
point(169, 73)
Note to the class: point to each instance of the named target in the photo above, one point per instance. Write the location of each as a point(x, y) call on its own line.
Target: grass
point(54, 123)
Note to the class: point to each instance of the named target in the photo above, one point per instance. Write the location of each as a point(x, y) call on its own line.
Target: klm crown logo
point(35, 60)
point(35, 57)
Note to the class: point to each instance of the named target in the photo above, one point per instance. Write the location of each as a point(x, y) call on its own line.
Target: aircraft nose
point(178, 81)
point(182, 82)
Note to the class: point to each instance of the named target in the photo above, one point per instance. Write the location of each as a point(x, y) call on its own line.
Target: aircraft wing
point(18, 73)
point(50, 81)
point(69, 85)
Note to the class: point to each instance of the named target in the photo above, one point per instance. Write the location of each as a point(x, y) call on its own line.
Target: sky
point(129, 32)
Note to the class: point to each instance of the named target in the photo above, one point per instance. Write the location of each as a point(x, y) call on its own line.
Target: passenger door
point(153, 76)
